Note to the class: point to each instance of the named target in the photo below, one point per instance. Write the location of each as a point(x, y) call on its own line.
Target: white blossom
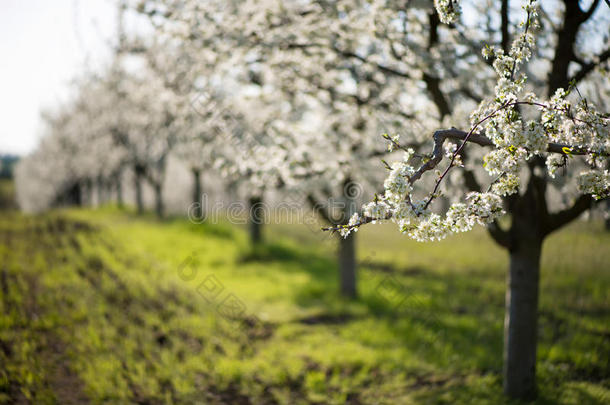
point(448, 10)
point(376, 210)
point(595, 182)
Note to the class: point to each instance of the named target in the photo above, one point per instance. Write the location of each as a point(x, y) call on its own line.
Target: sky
point(43, 45)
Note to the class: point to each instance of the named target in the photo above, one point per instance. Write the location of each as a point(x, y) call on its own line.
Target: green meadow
point(107, 307)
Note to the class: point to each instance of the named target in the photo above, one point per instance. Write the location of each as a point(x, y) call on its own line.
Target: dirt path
point(50, 378)
point(60, 378)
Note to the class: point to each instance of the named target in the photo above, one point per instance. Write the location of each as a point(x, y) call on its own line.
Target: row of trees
point(294, 95)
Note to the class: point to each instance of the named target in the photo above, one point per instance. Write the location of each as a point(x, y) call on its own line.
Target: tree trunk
point(89, 192)
point(107, 191)
point(347, 246)
point(100, 191)
point(119, 190)
point(138, 174)
point(257, 217)
point(521, 319)
point(607, 222)
point(159, 208)
point(197, 198)
point(75, 195)
point(347, 266)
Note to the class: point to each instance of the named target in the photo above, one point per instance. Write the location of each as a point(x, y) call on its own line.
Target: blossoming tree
point(68, 160)
point(531, 139)
point(299, 51)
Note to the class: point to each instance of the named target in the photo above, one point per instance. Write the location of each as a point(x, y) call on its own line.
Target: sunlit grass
point(138, 305)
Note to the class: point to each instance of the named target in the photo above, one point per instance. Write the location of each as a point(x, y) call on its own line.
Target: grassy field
point(105, 307)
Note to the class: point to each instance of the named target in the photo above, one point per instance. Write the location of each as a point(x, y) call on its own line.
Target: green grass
point(120, 309)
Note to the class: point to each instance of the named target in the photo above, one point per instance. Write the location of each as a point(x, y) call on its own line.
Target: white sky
point(43, 45)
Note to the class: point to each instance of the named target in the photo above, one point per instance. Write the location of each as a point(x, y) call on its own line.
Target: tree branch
point(454, 133)
point(554, 221)
point(381, 67)
point(432, 82)
point(433, 86)
point(589, 67)
point(319, 209)
point(587, 14)
point(561, 218)
point(504, 26)
point(499, 235)
point(573, 18)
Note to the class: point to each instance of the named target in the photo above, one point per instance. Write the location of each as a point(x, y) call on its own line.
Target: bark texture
point(257, 218)
point(197, 198)
point(100, 191)
point(88, 192)
point(347, 246)
point(119, 191)
point(607, 222)
point(521, 319)
point(159, 206)
point(347, 266)
point(138, 176)
point(530, 224)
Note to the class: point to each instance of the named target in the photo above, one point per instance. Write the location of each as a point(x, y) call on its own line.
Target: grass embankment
point(111, 308)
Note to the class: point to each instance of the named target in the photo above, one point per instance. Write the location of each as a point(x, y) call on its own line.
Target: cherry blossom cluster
point(448, 10)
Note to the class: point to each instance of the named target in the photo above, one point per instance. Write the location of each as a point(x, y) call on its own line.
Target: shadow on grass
point(267, 252)
point(488, 390)
point(221, 231)
point(452, 321)
point(435, 329)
